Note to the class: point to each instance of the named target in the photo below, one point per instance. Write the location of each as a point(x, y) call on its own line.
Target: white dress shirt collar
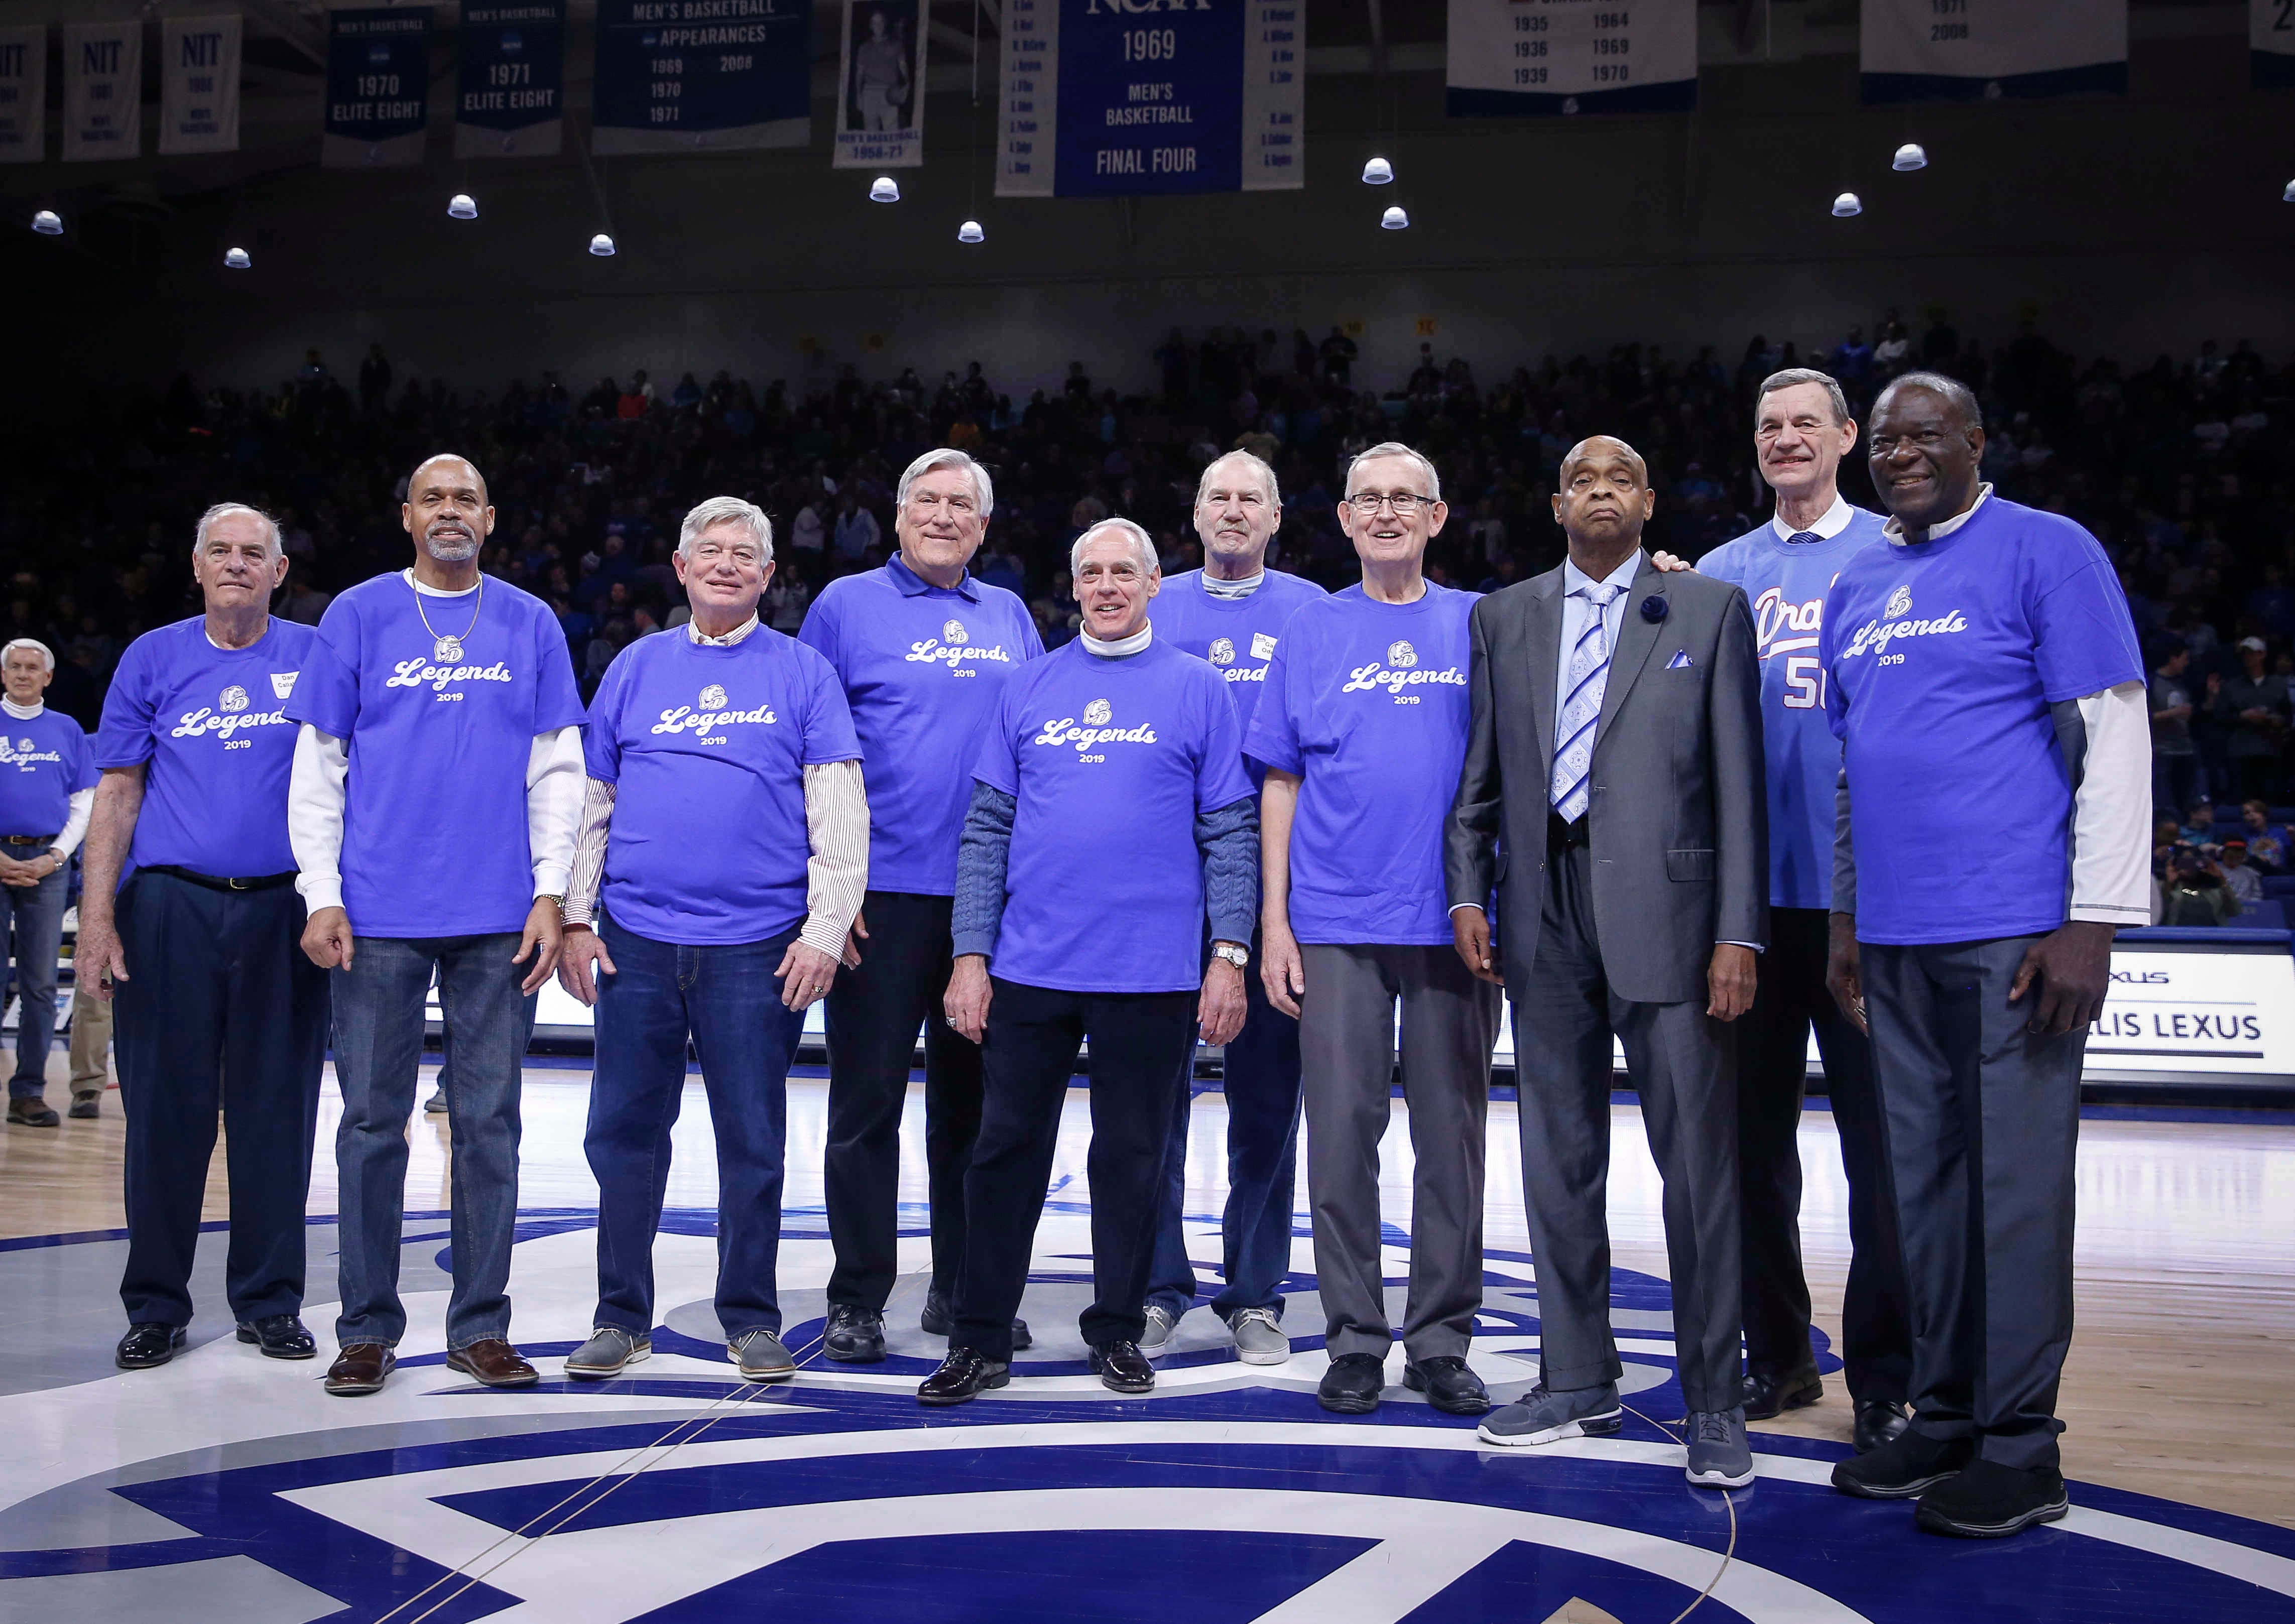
point(694, 632)
point(1832, 523)
point(1895, 530)
point(1574, 579)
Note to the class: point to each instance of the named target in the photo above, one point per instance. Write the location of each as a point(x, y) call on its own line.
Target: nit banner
point(2271, 42)
point(377, 88)
point(103, 90)
point(1126, 98)
point(198, 84)
point(1981, 50)
point(509, 97)
point(24, 94)
point(684, 75)
point(1512, 58)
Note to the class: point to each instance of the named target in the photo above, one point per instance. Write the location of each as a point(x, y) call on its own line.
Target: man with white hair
point(1231, 612)
point(1110, 811)
point(47, 782)
point(218, 1009)
point(924, 650)
point(437, 783)
point(1361, 731)
point(722, 855)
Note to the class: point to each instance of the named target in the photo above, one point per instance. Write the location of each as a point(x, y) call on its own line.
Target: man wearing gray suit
point(1612, 793)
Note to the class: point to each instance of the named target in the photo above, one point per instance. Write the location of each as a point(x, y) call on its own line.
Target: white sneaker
point(1157, 1337)
point(1259, 1338)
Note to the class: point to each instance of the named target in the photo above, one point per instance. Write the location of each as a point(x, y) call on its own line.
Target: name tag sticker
point(282, 684)
point(1262, 645)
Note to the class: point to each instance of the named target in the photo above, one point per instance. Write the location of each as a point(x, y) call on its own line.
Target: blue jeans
point(38, 914)
point(1262, 1146)
point(379, 1005)
point(729, 1000)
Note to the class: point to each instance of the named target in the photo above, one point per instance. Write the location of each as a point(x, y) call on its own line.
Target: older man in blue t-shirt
point(47, 787)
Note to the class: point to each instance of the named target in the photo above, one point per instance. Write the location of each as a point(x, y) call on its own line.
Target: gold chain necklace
point(449, 648)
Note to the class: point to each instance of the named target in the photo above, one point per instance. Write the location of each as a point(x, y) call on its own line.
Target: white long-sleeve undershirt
point(2111, 810)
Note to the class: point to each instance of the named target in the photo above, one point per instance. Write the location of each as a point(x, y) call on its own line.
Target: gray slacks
point(1979, 1120)
point(1684, 1065)
point(1346, 1055)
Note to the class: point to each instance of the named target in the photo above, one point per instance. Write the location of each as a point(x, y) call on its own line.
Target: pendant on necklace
point(449, 649)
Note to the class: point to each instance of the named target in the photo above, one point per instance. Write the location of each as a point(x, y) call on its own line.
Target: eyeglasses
point(1404, 503)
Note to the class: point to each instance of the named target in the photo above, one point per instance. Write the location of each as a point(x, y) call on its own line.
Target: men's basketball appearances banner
point(1126, 98)
point(881, 86)
point(377, 88)
point(198, 84)
point(103, 90)
point(510, 90)
point(681, 76)
point(23, 95)
point(1513, 58)
point(2270, 43)
point(1981, 50)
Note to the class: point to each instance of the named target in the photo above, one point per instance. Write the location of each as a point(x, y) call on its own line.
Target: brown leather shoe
point(359, 1368)
point(494, 1363)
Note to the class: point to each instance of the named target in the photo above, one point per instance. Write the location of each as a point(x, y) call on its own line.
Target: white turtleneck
point(1120, 646)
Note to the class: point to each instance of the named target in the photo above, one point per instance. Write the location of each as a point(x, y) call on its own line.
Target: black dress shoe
point(1351, 1385)
point(280, 1337)
point(1767, 1397)
point(147, 1345)
point(937, 1321)
point(963, 1376)
point(1448, 1386)
point(1879, 1421)
point(854, 1336)
point(1122, 1367)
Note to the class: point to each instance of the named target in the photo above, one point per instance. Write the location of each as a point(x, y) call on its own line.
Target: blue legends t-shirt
point(1111, 760)
point(1943, 659)
point(209, 728)
point(923, 667)
point(1237, 635)
point(434, 825)
point(1367, 703)
point(1786, 582)
point(44, 761)
point(708, 747)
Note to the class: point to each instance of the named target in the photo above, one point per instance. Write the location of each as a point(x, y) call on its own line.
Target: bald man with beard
point(1612, 797)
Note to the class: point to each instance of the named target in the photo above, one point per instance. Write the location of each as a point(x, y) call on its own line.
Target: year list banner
point(24, 94)
point(881, 86)
point(1129, 98)
point(682, 75)
point(509, 93)
point(1540, 58)
point(103, 90)
point(2271, 42)
point(377, 88)
point(1981, 50)
point(198, 84)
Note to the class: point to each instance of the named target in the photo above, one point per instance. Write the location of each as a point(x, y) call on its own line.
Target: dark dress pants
point(221, 1010)
point(1876, 1338)
point(873, 1012)
point(1140, 1041)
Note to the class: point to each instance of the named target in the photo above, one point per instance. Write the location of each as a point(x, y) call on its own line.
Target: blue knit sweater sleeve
point(1229, 839)
point(982, 853)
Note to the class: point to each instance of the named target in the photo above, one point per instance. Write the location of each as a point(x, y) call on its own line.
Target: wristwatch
point(1237, 956)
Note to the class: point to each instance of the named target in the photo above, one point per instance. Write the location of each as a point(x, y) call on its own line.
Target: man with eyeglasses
point(924, 651)
point(1361, 731)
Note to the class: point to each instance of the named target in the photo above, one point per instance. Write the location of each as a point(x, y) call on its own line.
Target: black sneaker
point(1122, 1367)
point(1351, 1385)
point(854, 1336)
point(963, 1376)
point(1986, 1500)
point(1448, 1386)
point(1904, 1468)
point(937, 1321)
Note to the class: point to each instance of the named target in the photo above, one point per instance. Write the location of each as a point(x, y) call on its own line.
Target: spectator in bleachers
point(2241, 883)
point(2201, 826)
point(2267, 844)
point(2253, 709)
point(2174, 760)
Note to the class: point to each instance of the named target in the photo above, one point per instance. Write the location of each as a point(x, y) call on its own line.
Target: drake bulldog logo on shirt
point(1095, 732)
point(1096, 713)
point(1221, 652)
point(1401, 655)
point(1899, 604)
point(232, 698)
point(951, 632)
point(713, 698)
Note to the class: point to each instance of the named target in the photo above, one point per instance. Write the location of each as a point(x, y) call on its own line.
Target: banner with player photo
point(1104, 100)
point(707, 76)
point(881, 86)
point(510, 79)
point(2271, 43)
point(377, 88)
point(198, 84)
point(103, 91)
point(1982, 50)
point(24, 94)
point(1540, 58)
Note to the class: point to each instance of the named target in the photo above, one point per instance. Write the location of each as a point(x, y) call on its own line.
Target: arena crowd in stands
point(2182, 468)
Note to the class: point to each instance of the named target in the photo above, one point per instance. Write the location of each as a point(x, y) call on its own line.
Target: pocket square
point(1680, 659)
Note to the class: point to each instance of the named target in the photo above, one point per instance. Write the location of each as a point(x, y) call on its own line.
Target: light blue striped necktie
point(1581, 703)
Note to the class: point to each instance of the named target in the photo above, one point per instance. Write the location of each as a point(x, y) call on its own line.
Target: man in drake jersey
point(1802, 430)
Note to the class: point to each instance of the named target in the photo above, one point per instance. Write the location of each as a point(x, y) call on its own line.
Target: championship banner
point(2271, 43)
point(881, 86)
point(1129, 98)
point(23, 95)
point(510, 90)
point(103, 90)
point(198, 84)
point(377, 88)
point(1981, 50)
point(682, 75)
point(1517, 58)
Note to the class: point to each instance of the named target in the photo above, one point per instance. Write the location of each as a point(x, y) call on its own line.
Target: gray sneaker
point(436, 1105)
point(1718, 1455)
point(1157, 1337)
point(1549, 1417)
point(1259, 1338)
point(762, 1358)
point(609, 1349)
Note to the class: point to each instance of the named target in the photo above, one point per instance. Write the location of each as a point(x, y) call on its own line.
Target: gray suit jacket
point(1678, 810)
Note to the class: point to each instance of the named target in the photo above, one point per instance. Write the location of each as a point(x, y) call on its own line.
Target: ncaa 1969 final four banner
point(682, 75)
point(510, 99)
point(1516, 58)
point(1129, 98)
point(1981, 50)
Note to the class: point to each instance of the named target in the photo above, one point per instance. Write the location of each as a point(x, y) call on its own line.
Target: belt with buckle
point(38, 840)
point(1560, 836)
point(216, 882)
